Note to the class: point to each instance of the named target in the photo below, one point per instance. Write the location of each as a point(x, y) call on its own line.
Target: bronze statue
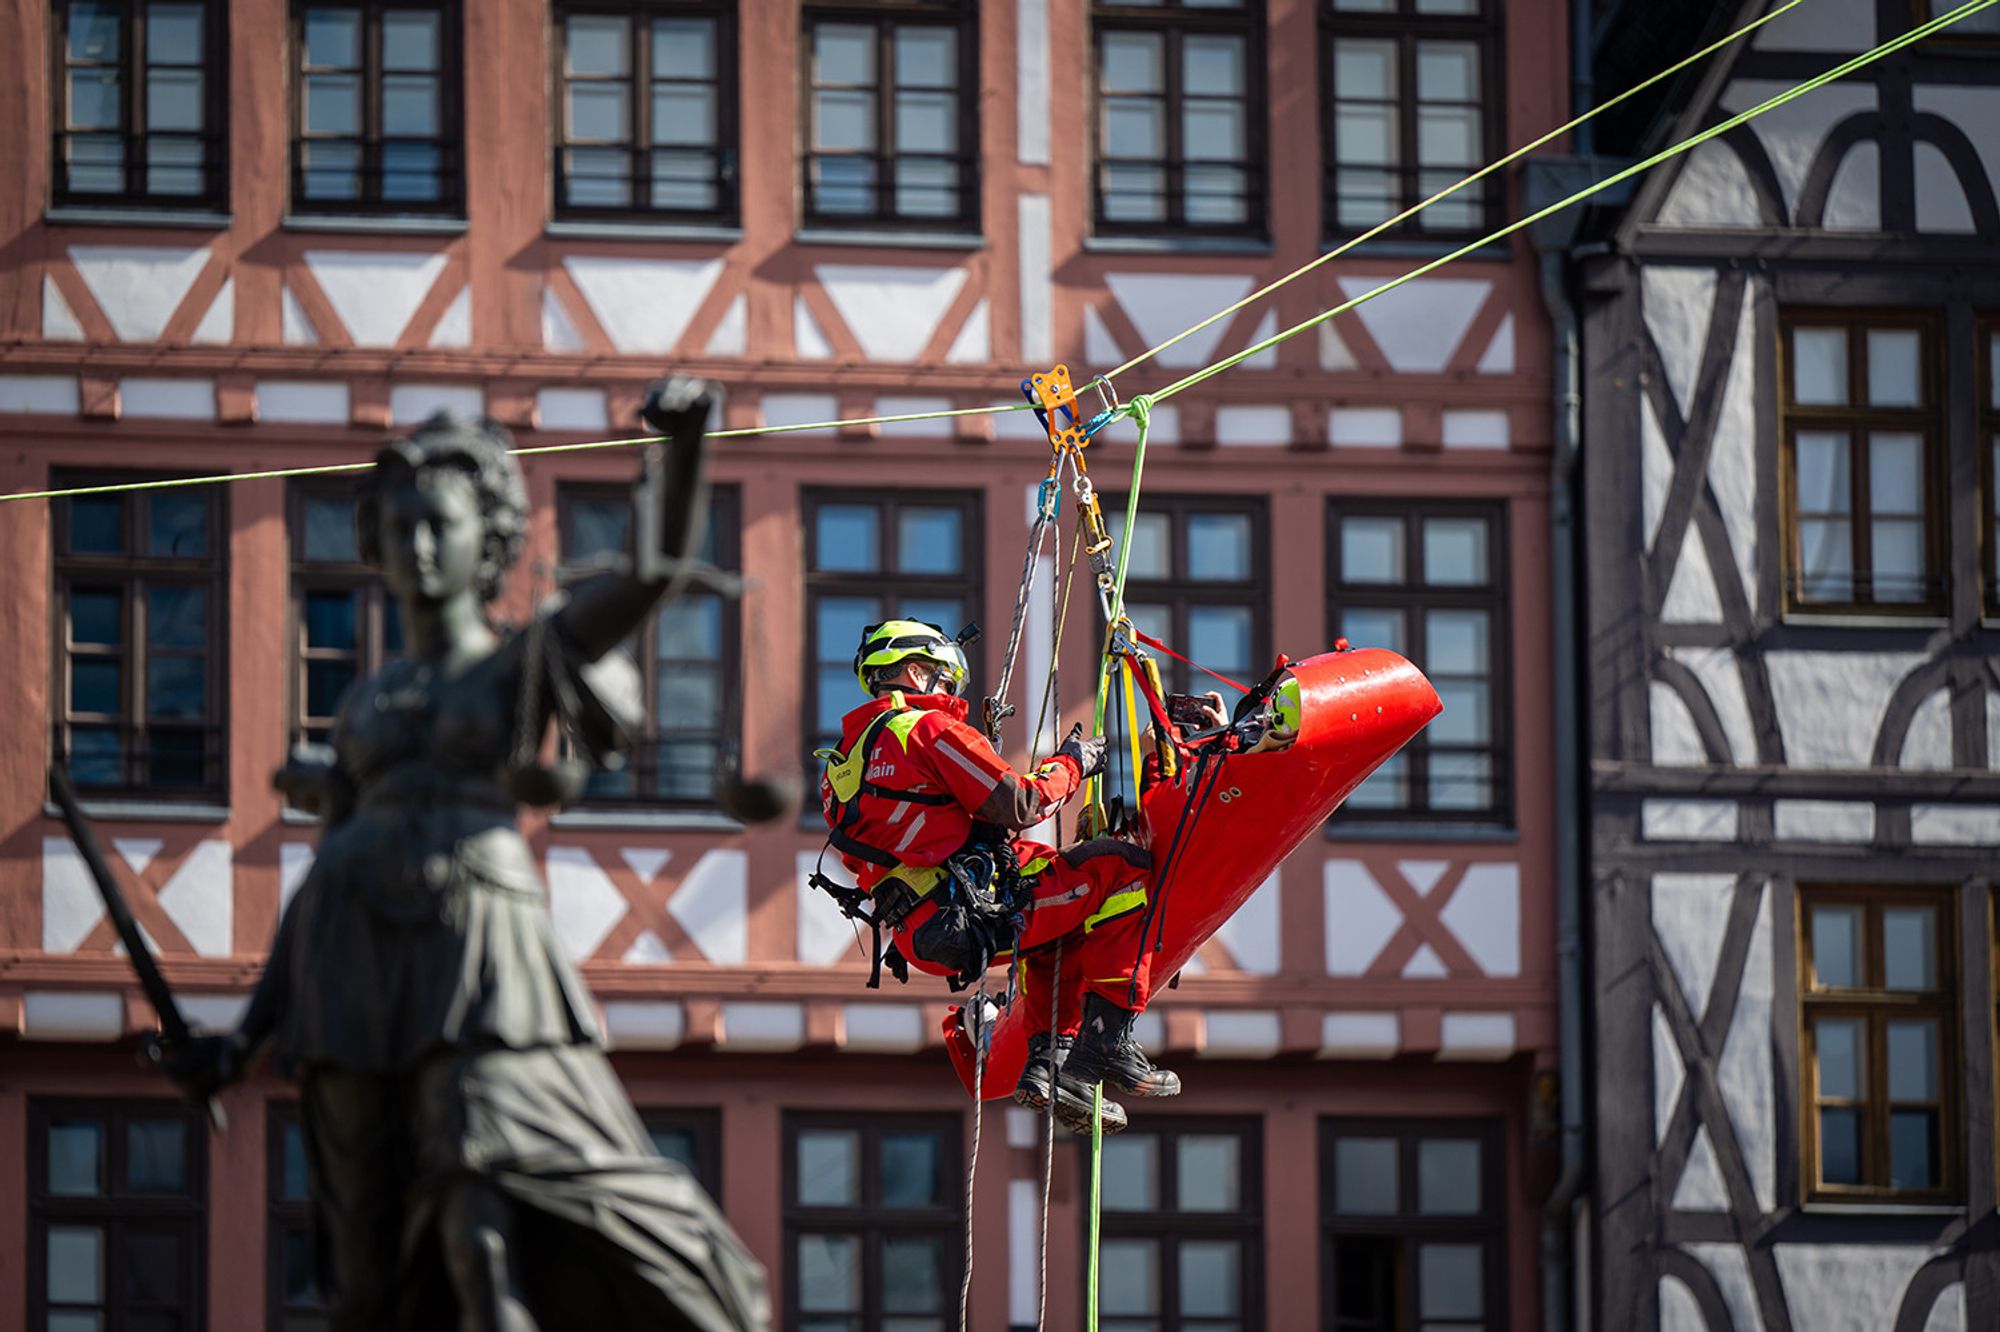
point(474, 1160)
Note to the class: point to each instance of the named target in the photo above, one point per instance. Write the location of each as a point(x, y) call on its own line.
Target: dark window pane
point(295, 1181)
point(1131, 1173)
point(177, 687)
point(329, 530)
point(687, 769)
point(76, 1158)
point(676, 1144)
point(1371, 550)
point(1913, 1155)
point(1129, 1277)
point(1839, 1146)
point(173, 34)
point(912, 1275)
point(95, 686)
point(690, 629)
point(176, 617)
point(75, 1265)
point(1447, 1177)
point(1913, 1059)
point(1449, 1280)
point(829, 1273)
point(96, 756)
point(1842, 1068)
point(1909, 948)
point(178, 525)
point(1455, 552)
point(177, 758)
point(1836, 946)
point(93, 31)
point(1219, 547)
point(928, 540)
point(95, 616)
point(829, 1167)
point(93, 99)
point(410, 172)
point(97, 525)
point(301, 1282)
point(910, 1174)
point(1211, 1278)
point(598, 528)
point(847, 539)
point(326, 682)
point(948, 615)
point(156, 1156)
point(837, 626)
point(332, 619)
point(333, 37)
point(1364, 1269)
point(1364, 1176)
point(689, 697)
point(1207, 1166)
point(409, 39)
point(150, 1264)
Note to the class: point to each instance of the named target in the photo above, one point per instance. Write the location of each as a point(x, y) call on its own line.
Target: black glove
point(678, 408)
point(1088, 751)
point(205, 1065)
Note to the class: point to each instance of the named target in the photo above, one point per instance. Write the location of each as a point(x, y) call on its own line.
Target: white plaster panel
point(1267, 328)
point(1365, 427)
point(1993, 730)
point(1031, 100)
point(1425, 964)
point(571, 409)
point(374, 292)
point(1656, 470)
point(1419, 325)
point(1476, 1036)
point(302, 402)
point(1791, 134)
point(1743, 1074)
point(295, 860)
point(583, 902)
point(1976, 112)
point(712, 905)
point(1722, 680)
point(167, 399)
point(1241, 1033)
point(1732, 456)
point(410, 403)
point(1823, 820)
point(756, 1026)
point(1359, 917)
point(218, 325)
point(72, 1015)
point(1941, 203)
point(643, 1024)
point(59, 322)
point(1825, 25)
point(1023, 1127)
point(973, 344)
point(732, 331)
point(54, 395)
point(454, 326)
point(1830, 704)
point(1161, 305)
point(558, 332)
point(1711, 190)
point(644, 305)
point(1251, 934)
point(1948, 1310)
point(1253, 424)
point(1955, 825)
point(646, 861)
point(1700, 1188)
point(883, 1028)
point(1678, 301)
point(138, 286)
point(1690, 916)
point(1333, 351)
point(1024, 1275)
point(1731, 1270)
point(1692, 597)
point(1854, 199)
point(1360, 1035)
point(137, 852)
point(212, 1012)
point(1847, 1287)
point(799, 409)
point(1688, 820)
point(200, 897)
point(1038, 335)
point(646, 951)
point(71, 906)
point(808, 342)
point(1485, 915)
point(1676, 741)
point(825, 936)
point(1150, 1031)
point(1099, 347)
point(1927, 740)
point(297, 325)
point(909, 405)
point(1679, 1311)
point(1476, 430)
point(1668, 1074)
point(1498, 358)
point(892, 312)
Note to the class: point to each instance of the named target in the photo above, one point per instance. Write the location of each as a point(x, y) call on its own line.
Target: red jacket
point(930, 751)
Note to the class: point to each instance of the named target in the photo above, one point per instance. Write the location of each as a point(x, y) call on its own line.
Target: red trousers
point(1088, 906)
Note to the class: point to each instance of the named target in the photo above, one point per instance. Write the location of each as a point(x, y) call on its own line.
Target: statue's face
point(433, 537)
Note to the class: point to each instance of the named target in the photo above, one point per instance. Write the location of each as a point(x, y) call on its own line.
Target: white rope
point(981, 1035)
point(1049, 1156)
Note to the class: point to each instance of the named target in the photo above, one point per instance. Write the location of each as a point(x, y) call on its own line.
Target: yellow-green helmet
point(895, 641)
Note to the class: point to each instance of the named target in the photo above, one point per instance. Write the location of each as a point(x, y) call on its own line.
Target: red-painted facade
point(1396, 971)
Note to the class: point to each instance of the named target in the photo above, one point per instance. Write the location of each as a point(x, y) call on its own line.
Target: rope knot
point(1140, 408)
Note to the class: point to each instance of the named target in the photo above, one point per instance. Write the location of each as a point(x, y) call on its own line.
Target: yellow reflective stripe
point(1132, 729)
point(1118, 904)
point(902, 724)
point(1035, 866)
point(919, 879)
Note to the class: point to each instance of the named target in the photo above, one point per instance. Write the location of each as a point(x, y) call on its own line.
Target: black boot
point(1105, 1052)
point(1043, 1076)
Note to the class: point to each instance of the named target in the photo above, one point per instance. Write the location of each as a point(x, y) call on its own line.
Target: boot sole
point(1073, 1111)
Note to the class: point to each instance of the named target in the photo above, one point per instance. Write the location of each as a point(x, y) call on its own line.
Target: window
point(874, 1231)
point(1863, 521)
point(1412, 1226)
point(115, 1216)
point(1182, 1217)
point(1412, 105)
point(375, 116)
point(1427, 580)
point(139, 638)
point(1180, 107)
point(868, 559)
point(1989, 457)
point(646, 125)
point(1984, 24)
point(345, 623)
point(892, 134)
point(689, 1138)
point(1195, 580)
point(686, 652)
point(140, 97)
point(291, 1282)
point(1877, 994)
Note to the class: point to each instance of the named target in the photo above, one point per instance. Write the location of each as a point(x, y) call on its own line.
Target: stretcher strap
point(1153, 642)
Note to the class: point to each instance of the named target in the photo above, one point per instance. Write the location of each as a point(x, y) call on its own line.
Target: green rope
point(1096, 1212)
point(1675, 150)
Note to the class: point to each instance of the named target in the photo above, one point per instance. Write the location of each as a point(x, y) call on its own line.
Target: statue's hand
point(678, 407)
point(305, 777)
point(204, 1065)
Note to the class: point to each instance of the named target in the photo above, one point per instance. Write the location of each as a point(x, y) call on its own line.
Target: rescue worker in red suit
point(933, 786)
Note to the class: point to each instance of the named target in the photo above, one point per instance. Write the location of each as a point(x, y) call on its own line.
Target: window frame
point(450, 137)
point(1874, 1006)
point(1987, 425)
point(1923, 11)
point(132, 66)
point(1180, 593)
point(638, 15)
point(725, 519)
point(885, 16)
point(1170, 1227)
point(372, 624)
point(133, 574)
point(284, 1216)
point(112, 1210)
point(1493, 597)
point(1175, 20)
point(705, 1125)
point(1406, 28)
point(1407, 1226)
point(969, 584)
point(1857, 422)
point(866, 1218)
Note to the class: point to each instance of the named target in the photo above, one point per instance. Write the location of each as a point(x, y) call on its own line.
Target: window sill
point(153, 811)
point(1172, 244)
point(1403, 248)
point(909, 240)
point(84, 216)
point(1350, 830)
point(1862, 1207)
point(298, 818)
point(409, 224)
point(670, 820)
point(1861, 619)
point(580, 229)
